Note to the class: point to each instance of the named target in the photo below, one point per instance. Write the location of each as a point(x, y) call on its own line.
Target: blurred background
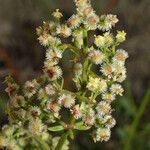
point(22, 56)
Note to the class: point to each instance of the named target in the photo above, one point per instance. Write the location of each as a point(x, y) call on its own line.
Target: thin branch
point(9, 64)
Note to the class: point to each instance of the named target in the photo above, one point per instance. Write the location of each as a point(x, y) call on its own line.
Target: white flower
point(103, 108)
point(74, 21)
point(108, 39)
point(35, 111)
point(53, 56)
point(53, 106)
point(78, 69)
point(117, 89)
point(54, 41)
point(109, 97)
point(12, 89)
point(78, 2)
point(30, 88)
point(121, 78)
point(102, 85)
point(107, 21)
point(96, 56)
point(64, 30)
point(93, 84)
point(91, 22)
point(121, 36)
point(8, 130)
point(107, 70)
point(120, 56)
point(50, 89)
point(102, 134)
point(44, 39)
point(84, 8)
point(36, 126)
point(112, 19)
point(76, 112)
point(109, 122)
point(89, 117)
point(41, 94)
point(57, 14)
point(96, 84)
point(18, 100)
point(99, 41)
point(53, 72)
point(119, 72)
point(66, 100)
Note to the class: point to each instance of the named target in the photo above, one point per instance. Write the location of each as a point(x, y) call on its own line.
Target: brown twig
point(9, 64)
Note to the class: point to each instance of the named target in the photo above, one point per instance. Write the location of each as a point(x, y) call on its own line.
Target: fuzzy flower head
point(107, 96)
point(66, 100)
point(96, 56)
point(102, 134)
point(53, 72)
point(64, 31)
point(35, 111)
point(36, 126)
point(107, 70)
point(103, 108)
point(117, 89)
point(57, 14)
point(78, 69)
point(53, 106)
point(50, 89)
point(99, 41)
point(109, 121)
point(53, 56)
point(12, 89)
point(76, 112)
point(106, 22)
point(121, 36)
point(30, 88)
point(96, 84)
point(74, 21)
point(108, 39)
point(89, 117)
point(44, 39)
point(120, 56)
point(18, 101)
point(91, 22)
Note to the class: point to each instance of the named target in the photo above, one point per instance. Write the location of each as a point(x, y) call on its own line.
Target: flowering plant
point(36, 110)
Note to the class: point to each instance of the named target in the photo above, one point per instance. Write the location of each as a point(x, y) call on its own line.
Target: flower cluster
point(36, 110)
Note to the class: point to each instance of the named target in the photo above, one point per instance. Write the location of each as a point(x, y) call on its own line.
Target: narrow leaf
point(81, 126)
point(56, 128)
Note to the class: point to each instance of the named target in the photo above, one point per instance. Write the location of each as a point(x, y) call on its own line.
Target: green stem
point(85, 40)
point(136, 120)
point(62, 141)
point(85, 50)
point(65, 135)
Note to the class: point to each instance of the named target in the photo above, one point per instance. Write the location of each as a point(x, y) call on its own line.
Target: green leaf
point(81, 126)
point(56, 128)
point(71, 134)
